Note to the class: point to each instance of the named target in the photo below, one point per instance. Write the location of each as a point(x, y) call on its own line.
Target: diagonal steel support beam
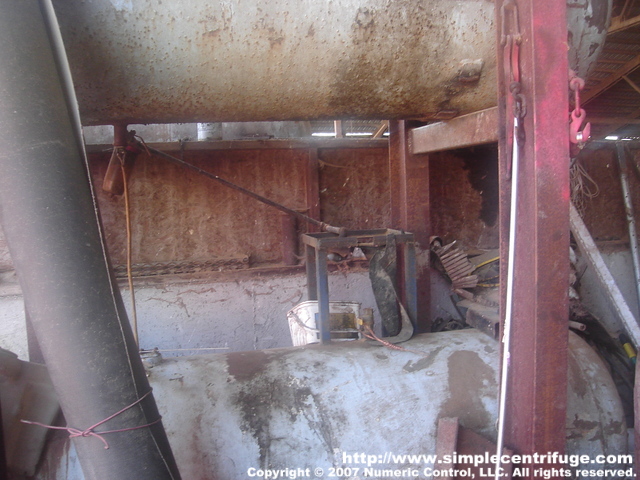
point(608, 284)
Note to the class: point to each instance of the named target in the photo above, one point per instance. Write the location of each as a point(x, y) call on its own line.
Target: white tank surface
point(306, 407)
point(147, 61)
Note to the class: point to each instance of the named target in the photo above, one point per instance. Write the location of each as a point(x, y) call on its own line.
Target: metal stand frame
point(317, 245)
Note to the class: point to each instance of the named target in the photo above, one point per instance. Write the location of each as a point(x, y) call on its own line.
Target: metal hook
point(576, 135)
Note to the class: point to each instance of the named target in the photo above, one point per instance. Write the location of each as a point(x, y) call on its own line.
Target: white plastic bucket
point(303, 322)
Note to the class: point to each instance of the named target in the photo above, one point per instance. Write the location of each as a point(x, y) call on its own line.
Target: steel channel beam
point(409, 269)
point(318, 287)
point(322, 281)
point(310, 262)
point(313, 188)
point(537, 386)
point(473, 129)
point(410, 211)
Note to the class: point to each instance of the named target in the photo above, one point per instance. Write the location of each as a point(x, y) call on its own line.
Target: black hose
point(51, 224)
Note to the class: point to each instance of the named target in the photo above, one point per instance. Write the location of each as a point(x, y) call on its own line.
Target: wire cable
point(127, 209)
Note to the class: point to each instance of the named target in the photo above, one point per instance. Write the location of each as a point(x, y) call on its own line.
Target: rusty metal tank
point(307, 407)
point(147, 61)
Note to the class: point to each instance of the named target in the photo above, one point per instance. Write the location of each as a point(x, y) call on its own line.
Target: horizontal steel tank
point(147, 61)
point(308, 407)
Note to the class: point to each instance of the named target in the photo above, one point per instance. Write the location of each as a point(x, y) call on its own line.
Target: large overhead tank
point(147, 61)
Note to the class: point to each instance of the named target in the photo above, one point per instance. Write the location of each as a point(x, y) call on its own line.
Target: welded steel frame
point(537, 386)
point(318, 245)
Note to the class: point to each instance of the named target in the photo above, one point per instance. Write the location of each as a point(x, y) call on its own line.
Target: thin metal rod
point(506, 334)
point(324, 226)
point(631, 220)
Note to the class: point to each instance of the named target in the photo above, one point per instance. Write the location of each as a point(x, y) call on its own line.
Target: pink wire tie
point(74, 432)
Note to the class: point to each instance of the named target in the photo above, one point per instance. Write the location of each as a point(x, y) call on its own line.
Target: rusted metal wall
point(178, 215)
point(354, 188)
point(604, 214)
point(464, 196)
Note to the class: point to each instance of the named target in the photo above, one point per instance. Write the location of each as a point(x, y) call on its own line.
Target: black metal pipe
point(51, 223)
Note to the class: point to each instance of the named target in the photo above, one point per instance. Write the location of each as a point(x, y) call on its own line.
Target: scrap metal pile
point(474, 277)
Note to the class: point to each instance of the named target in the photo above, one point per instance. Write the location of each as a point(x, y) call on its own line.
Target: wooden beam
point(633, 84)
point(468, 130)
point(383, 127)
point(339, 128)
point(619, 24)
point(621, 46)
point(614, 78)
point(612, 71)
point(614, 120)
point(626, 8)
point(301, 143)
point(616, 62)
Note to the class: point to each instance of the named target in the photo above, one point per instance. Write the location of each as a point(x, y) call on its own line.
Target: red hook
point(578, 115)
point(577, 136)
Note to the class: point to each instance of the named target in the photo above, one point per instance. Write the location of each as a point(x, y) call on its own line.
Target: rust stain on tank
point(256, 60)
point(245, 366)
point(264, 61)
point(465, 383)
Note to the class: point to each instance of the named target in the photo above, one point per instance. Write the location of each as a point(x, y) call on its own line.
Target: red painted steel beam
point(447, 446)
point(313, 188)
point(468, 130)
point(398, 173)
point(410, 206)
point(537, 386)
